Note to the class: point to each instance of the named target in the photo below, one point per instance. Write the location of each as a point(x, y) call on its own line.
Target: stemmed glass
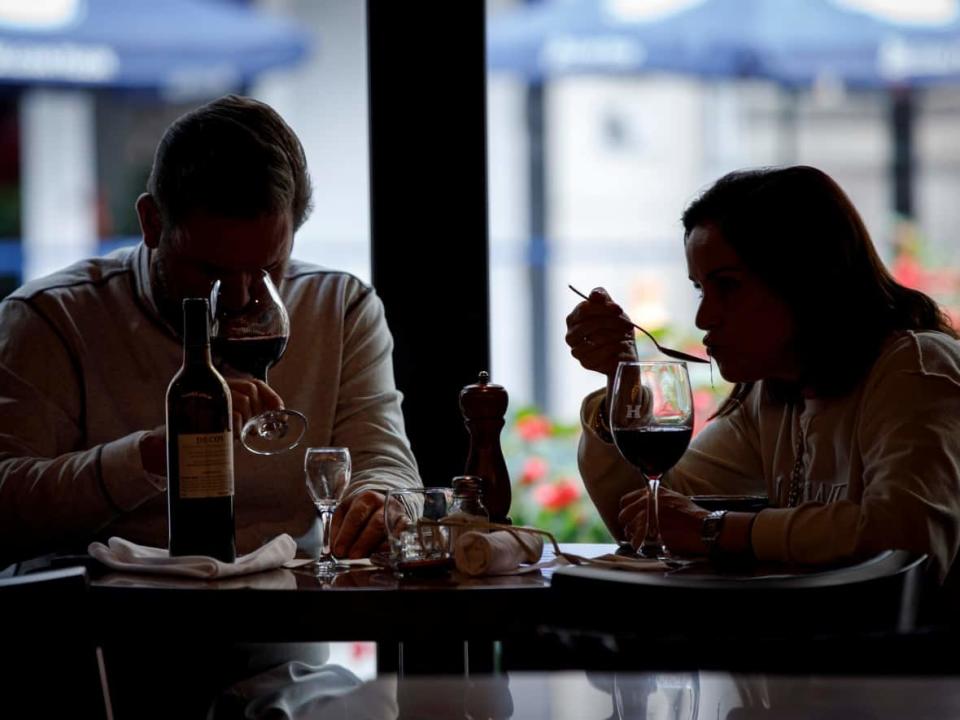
point(651, 418)
point(327, 471)
point(251, 339)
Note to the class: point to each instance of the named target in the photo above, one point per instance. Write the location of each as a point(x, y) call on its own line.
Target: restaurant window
point(104, 134)
point(10, 193)
point(87, 141)
point(593, 157)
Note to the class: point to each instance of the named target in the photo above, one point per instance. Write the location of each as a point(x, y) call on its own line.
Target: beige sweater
point(881, 464)
point(84, 365)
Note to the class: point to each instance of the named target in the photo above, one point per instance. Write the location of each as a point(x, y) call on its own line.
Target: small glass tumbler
point(416, 541)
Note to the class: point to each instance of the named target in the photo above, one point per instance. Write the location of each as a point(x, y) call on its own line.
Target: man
point(86, 355)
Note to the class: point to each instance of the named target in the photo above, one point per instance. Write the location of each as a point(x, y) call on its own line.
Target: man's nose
point(235, 292)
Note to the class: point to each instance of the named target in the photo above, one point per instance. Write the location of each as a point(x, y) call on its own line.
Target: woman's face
point(749, 328)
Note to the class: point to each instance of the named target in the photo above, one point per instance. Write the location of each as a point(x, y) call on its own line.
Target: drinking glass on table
point(651, 419)
point(251, 339)
point(327, 471)
point(417, 542)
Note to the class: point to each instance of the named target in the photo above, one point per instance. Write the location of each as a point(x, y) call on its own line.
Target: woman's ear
point(151, 224)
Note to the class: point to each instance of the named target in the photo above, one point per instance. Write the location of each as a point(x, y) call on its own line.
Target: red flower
point(558, 495)
point(535, 468)
point(533, 427)
point(908, 272)
point(704, 406)
point(361, 650)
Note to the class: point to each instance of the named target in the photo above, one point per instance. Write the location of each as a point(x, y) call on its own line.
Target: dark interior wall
point(428, 185)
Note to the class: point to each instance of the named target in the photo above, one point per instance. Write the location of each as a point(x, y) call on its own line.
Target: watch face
point(711, 526)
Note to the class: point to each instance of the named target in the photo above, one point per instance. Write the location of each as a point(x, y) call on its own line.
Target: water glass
point(327, 471)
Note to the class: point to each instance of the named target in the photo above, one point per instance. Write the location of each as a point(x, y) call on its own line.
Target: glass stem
point(326, 516)
point(651, 540)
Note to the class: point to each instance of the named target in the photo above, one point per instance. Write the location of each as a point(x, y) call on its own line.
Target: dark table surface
point(367, 603)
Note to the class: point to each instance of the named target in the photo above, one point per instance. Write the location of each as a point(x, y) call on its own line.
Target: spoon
point(676, 354)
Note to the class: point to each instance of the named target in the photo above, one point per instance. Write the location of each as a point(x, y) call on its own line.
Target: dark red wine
point(200, 485)
point(655, 449)
point(250, 355)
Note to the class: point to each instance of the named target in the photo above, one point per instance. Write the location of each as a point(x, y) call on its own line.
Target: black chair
point(51, 666)
point(836, 619)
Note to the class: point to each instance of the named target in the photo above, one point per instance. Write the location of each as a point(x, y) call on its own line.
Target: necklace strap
point(796, 476)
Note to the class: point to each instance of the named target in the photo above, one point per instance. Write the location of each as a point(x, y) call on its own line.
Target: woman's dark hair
point(798, 231)
point(234, 156)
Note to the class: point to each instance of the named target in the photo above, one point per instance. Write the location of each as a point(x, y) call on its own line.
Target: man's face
point(206, 248)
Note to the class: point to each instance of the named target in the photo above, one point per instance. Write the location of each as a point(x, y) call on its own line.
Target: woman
point(846, 405)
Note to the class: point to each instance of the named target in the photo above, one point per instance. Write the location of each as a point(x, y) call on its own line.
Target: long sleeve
point(54, 489)
point(724, 458)
point(908, 439)
point(368, 415)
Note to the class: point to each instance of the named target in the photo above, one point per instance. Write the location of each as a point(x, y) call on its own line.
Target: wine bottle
point(199, 447)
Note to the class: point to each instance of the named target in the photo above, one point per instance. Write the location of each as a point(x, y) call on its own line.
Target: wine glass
point(327, 471)
point(651, 418)
point(251, 339)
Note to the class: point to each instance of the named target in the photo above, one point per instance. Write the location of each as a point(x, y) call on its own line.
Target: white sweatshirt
point(881, 465)
point(85, 360)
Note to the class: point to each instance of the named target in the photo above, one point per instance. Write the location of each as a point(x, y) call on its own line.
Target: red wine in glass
point(651, 417)
point(250, 340)
point(251, 355)
point(653, 450)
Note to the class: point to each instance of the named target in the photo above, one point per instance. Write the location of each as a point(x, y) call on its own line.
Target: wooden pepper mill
point(483, 406)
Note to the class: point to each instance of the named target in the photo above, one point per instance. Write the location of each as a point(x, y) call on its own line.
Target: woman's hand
point(681, 521)
point(600, 334)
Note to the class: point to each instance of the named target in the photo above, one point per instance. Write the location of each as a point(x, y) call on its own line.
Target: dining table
point(557, 617)
point(447, 622)
point(421, 622)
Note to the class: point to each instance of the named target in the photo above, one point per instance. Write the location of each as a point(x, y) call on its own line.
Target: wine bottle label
point(206, 465)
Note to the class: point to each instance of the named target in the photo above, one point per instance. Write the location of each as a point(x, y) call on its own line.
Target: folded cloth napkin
point(276, 579)
point(496, 553)
point(630, 564)
point(126, 556)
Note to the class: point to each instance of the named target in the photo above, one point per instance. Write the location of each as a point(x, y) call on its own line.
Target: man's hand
point(681, 520)
point(153, 451)
point(250, 397)
point(358, 527)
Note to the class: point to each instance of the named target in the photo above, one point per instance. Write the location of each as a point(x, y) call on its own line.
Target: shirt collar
point(140, 264)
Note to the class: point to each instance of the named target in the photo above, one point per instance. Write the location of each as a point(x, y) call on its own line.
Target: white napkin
point(496, 553)
point(276, 579)
point(126, 556)
point(629, 564)
point(298, 691)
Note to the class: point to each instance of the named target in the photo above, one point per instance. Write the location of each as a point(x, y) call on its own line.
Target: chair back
point(841, 619)
point(878, 594)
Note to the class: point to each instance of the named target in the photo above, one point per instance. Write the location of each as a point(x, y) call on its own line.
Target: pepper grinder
point(483, 406)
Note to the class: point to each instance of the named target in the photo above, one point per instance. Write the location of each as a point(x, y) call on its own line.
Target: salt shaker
point(467, 499)
point(467, 506)
point(484, 405)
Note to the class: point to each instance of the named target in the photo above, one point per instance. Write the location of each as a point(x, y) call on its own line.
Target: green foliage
point(548, 493)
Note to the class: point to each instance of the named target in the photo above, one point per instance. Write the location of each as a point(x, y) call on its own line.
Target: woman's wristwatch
point(710, 531)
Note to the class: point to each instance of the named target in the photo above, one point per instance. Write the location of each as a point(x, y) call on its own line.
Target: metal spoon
point(676, 354)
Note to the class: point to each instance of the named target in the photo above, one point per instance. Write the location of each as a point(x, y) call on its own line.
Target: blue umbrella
point(793, 42)
point(174, 44)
